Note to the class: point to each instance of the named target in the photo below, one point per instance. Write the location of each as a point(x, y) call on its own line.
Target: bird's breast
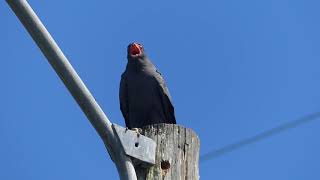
point(142, 89)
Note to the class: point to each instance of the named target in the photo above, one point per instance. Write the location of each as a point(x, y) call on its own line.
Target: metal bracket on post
point(141, 148)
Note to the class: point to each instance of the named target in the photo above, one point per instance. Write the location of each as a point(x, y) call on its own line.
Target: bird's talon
point(135, 130)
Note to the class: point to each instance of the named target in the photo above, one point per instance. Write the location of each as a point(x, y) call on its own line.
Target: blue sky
point(234, 69)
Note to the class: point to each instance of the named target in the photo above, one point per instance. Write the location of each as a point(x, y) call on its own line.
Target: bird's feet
point(137, 130)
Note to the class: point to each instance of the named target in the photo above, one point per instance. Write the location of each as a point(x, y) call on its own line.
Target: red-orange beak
point(135, 49)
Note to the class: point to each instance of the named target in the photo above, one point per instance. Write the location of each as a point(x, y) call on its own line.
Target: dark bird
point(144, 96)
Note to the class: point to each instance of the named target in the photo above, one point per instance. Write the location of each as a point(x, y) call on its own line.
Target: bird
point(143, 94)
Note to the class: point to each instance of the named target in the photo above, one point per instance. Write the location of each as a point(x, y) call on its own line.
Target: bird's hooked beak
point(135, 49)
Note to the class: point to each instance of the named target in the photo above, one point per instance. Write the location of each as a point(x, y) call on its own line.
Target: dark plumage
point(144, 96)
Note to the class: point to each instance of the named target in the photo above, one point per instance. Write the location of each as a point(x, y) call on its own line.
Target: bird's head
point(135, 50)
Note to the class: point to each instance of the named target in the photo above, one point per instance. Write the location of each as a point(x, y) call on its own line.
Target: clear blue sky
point(234, 69)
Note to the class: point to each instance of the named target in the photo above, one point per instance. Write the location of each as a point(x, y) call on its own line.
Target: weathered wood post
point(177, 153)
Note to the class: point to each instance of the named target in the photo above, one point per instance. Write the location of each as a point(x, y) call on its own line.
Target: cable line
point(259, 137)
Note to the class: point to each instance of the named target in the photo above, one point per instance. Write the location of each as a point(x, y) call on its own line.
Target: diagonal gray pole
point(75, 85)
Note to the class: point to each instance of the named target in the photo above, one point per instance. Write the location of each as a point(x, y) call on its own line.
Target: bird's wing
point(165, 98)
point(123, 97)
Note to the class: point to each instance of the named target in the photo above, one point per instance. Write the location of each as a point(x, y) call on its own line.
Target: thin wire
point(254, 139)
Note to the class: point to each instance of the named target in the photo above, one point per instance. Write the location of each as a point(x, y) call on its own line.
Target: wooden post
point(177, 153)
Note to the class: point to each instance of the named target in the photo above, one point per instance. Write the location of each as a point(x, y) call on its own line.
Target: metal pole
point(75, 85)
